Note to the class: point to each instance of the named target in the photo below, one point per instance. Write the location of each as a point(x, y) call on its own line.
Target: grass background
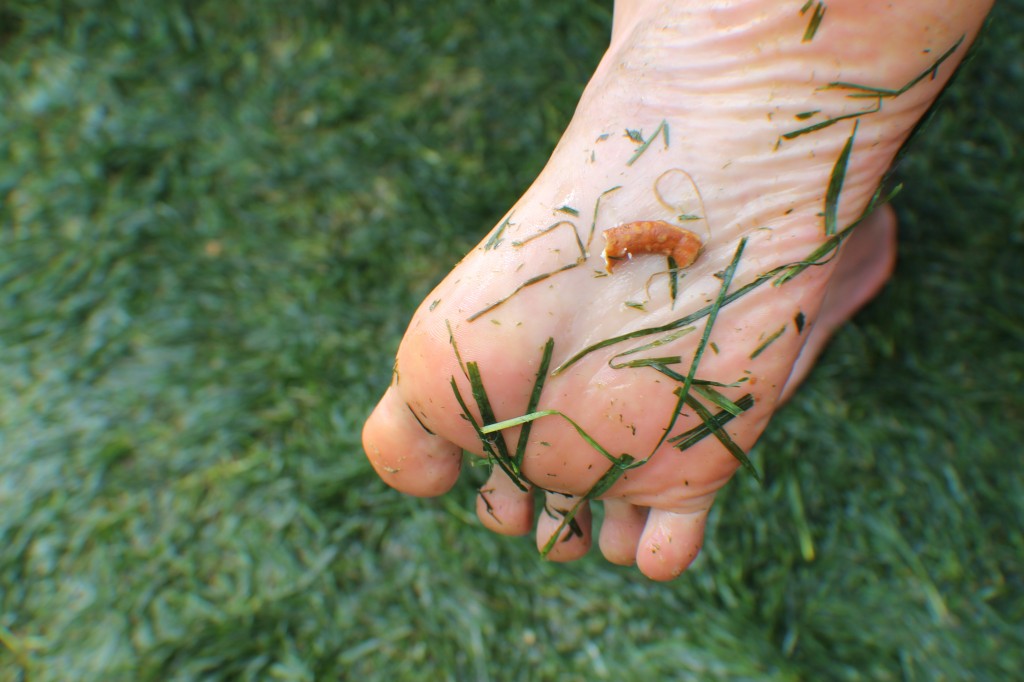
point(215, 220)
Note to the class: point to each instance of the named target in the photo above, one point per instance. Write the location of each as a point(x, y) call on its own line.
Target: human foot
point(761, 127)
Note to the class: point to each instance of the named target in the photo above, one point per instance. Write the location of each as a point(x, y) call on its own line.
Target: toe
point(670, 542)
point(573, 538)
point(504, 507)
point(405, 454)
point(620, 531)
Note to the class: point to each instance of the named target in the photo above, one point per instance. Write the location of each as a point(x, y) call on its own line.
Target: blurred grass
point(215, 220)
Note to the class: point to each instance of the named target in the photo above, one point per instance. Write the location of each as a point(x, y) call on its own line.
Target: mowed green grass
point(216, 219)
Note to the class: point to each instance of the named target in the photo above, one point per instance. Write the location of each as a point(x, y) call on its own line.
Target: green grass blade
point(835, 184)
point(551, 413)
point(767, 342)
point(485, 442)
point(647, 362)
point(603, 484)
point(551, 228)
point(688, 439)
point(803, 528)
point(673, 280)
point(832, 121)
point(886, 92)
point(661, 129)
point(455, 347)
point(719, 400)
point(527, 283)
point(676, 411)
point(516, 421)
point(676, 376)
point(568, 519)
point(597, 209)
point(815, 22)
point(727, 276)
point(538, 387)
point(649, 346)
point(496, 238)
point(826, 251)
point(483, 404)
point(712, 422)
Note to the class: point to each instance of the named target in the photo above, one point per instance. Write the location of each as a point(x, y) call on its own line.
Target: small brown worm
point(650, 236)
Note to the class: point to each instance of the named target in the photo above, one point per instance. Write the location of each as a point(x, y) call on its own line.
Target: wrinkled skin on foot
point(742, 123)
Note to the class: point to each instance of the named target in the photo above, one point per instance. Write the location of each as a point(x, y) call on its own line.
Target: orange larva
point(650, 236)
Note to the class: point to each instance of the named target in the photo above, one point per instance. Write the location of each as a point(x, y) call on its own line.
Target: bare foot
point(761, 128)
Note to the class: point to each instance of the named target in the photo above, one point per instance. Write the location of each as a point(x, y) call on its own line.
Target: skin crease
point(710, 89)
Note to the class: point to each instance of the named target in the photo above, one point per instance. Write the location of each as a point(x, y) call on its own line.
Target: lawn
point(216, 219)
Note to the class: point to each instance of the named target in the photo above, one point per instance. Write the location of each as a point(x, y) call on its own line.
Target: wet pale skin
point(755, 127)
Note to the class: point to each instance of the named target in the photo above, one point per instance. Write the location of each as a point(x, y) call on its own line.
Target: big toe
point(405, 453)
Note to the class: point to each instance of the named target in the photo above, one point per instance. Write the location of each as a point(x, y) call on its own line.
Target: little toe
point(620, 531)
point(405, 453)
point(504, 507)
point(574, 537)
point(670, 542)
